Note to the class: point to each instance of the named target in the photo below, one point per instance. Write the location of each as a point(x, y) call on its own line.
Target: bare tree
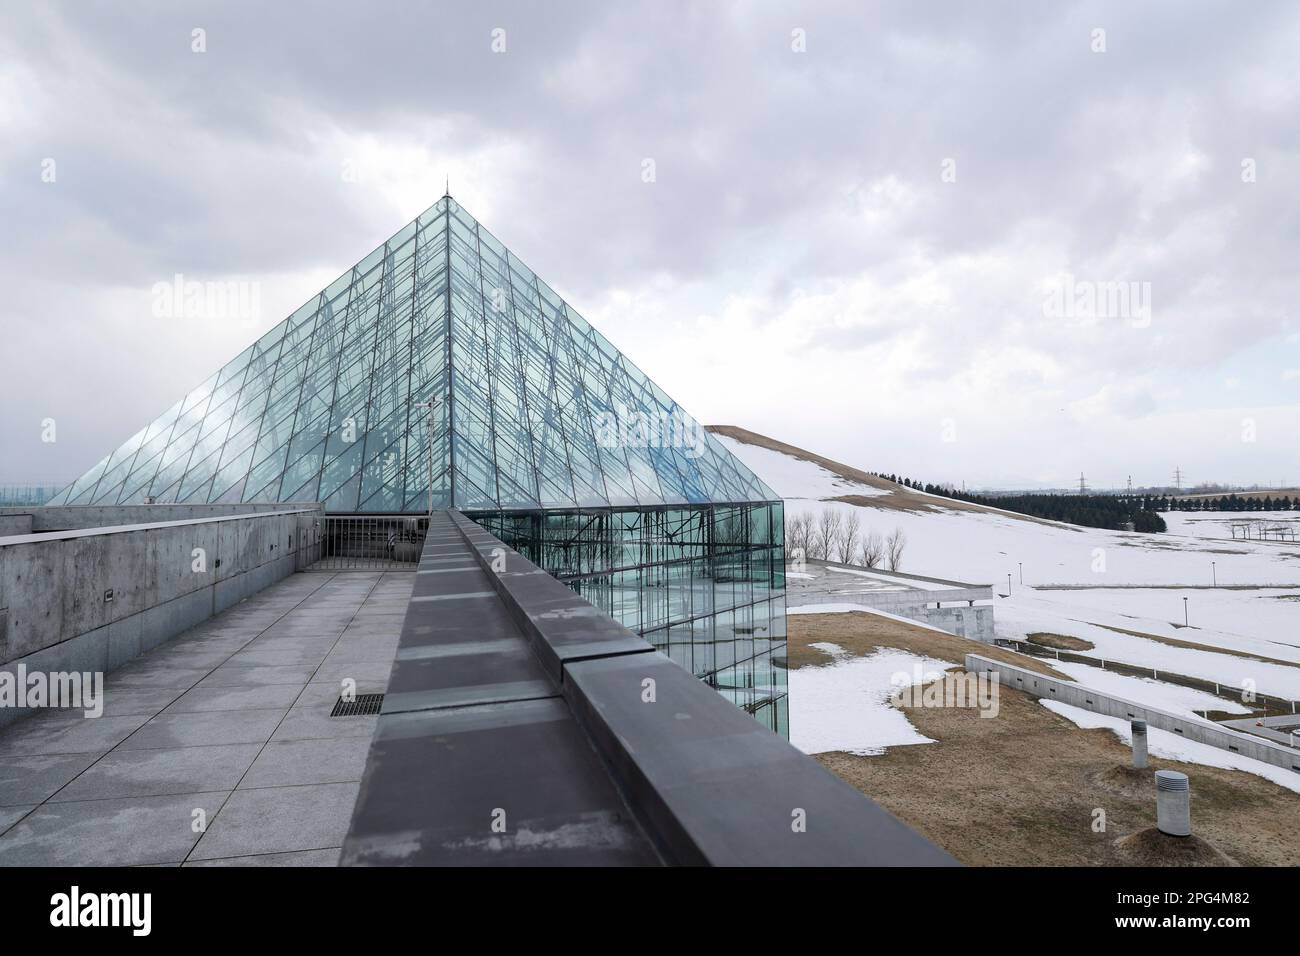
point(798, 529)
point(815, 536)
point(826, 534)
point(894, 546)
point(847, 545)
point(790, 529)
point(873, 550)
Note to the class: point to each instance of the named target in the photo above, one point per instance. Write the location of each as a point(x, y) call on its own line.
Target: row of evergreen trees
point(1235, 503)
point(1112, 512)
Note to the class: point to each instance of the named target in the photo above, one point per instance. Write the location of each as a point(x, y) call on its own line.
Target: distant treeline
point(1089, 511)
point(1234, 503)
point(1113, 512)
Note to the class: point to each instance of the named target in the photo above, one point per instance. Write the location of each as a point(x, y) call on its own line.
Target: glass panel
point(688, 579)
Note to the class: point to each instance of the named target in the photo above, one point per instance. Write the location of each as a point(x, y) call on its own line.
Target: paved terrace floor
point(231, 718)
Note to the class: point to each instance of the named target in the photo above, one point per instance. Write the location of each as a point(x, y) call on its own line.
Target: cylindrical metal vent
point(1139, 728)
point(1173, 803)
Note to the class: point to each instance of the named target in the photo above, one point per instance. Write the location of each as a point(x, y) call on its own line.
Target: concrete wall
point(958, 617)
point(1069, 692)
point(11, 524)
point(1276, 702)
point(75, 517)
point(54, 612)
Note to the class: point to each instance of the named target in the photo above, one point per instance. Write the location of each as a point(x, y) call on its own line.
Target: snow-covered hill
point(1080, 582)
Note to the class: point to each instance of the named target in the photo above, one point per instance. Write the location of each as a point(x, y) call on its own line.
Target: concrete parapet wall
point(79, 517)
point(11, 524)
point(500, 662)
point(1077, 695)
point(55, 608)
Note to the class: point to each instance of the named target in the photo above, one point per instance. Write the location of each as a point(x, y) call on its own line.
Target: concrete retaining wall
point(1262, 699)
point(91, 600)
point(1070, 692)
point(960, 617)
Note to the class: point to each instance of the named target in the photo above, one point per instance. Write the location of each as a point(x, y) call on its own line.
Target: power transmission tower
point(1083, 485)
point(1178, 479)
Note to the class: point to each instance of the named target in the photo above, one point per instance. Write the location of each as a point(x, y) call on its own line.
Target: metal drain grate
point(359, 706)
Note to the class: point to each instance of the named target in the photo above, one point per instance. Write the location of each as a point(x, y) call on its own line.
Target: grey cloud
point(228, 162)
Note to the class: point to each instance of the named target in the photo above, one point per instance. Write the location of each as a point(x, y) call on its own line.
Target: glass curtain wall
point(705, 584)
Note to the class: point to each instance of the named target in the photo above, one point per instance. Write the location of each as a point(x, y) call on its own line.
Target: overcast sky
point(873, 230)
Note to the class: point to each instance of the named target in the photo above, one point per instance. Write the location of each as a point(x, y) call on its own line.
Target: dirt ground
point(1024, 788)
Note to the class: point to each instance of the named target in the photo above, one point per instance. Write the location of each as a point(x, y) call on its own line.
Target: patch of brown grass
point(1062, 642)
point(1022, 788)
point(860, 633)
point(1150, 847)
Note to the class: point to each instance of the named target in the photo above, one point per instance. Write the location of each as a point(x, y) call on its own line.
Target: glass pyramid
point(534, 409)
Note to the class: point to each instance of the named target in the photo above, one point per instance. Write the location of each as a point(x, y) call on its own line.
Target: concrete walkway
point(217, 747)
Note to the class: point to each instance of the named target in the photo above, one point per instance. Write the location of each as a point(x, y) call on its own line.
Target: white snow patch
point(1219, 524)
point(844, 705)
point(793, 477)
point(1162, 743)
point(834, 650)
point(1074, 613)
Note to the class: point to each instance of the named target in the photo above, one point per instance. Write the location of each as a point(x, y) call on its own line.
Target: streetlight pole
point(1022, 571)
point(431, 404)
point(1008, 584)
point(1185, 624)
point(1214, 575)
